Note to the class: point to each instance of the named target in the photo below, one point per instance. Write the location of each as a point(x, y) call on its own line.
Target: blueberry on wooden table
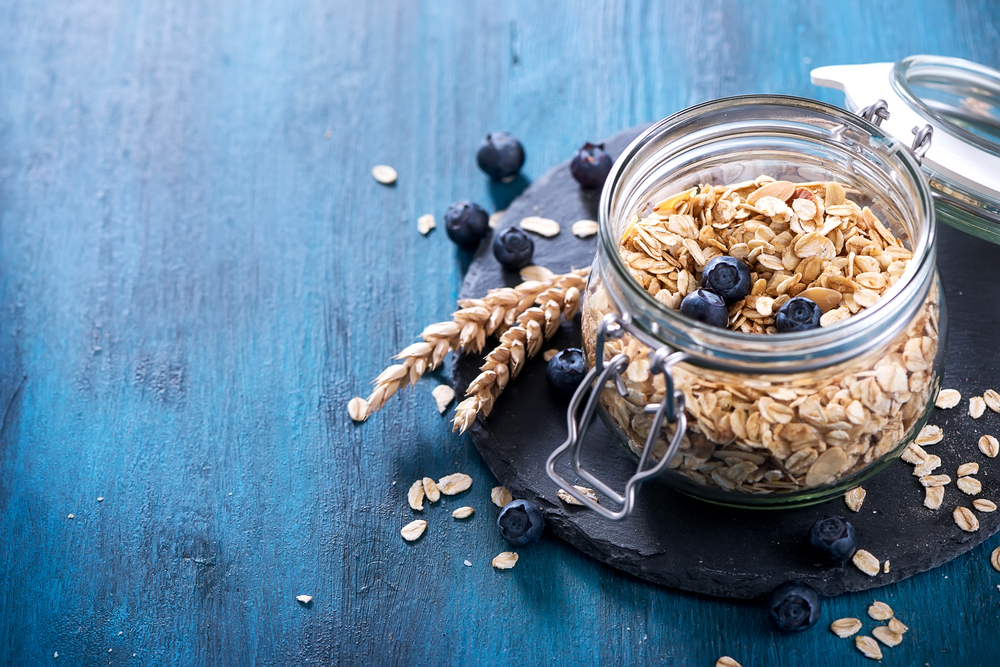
point(798, 314)
point(521, 522)
point(513, 248)
point(705, 306)
point(566, 370)
point(591, 165)
point(728, 277)
point(833, 540)
point(466, 223)
point(793, 606)
point(501, 156)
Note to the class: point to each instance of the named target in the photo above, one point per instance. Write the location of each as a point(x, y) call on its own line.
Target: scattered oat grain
point(495, 218)
point(897, 626)
point(868, 646)
point(989, 446)
point(887, 636)
point(992, 400)
point(995, 559)
point(71, 516)
point(425, 223)
point(984, 505)
point(927, 466)
point(970, 486)
point(456, 483)
point(935, 480)
point(501, 496)
point(535, 272)
point(967, 469)
point(948, 398)
point(415, 496)
point(584, 228)
point(505, 560)
point(880, 611)
point(570, 500)
point(977, 406)
point(384, 174)
point(543, 226)
point(463, 512)
point(443, 396)
point(866, 562)
point(855, 498)
point(467, 563)
point(914, 454)
point(933, 497)
point(548, 354)
point(431, 490)
point(304, 599)
point(885, 567)
point(845, 627)
point(413, 530)
point(929, 435)
point(965, 519)
point(726, 661)
point(100, 499)
point(357, 408)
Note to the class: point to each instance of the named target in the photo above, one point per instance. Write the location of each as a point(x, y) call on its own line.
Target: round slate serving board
point(689, 544)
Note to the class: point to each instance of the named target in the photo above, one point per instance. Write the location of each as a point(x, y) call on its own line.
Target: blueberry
point(513, 248)
point(501, 155)
point(793, 606)
point(591, 165)
point(566, 370)
point(728, 277)
point(798, 314)
point(707, 307)
point(833, 540)
point(466, 223)
point(521, 522)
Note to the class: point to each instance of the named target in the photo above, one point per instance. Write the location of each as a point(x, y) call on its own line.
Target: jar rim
point(786, 352)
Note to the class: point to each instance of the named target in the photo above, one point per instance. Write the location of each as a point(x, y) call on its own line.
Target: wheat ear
point(516, 344)
point(471, 324)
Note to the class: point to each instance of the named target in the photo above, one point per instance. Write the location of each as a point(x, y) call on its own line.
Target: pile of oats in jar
point(779, 433)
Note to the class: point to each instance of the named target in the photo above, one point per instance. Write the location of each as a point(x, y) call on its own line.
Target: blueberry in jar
point(466, 223)
point(793, 606)
point(728, 277)
point(705, 306)
point(798, 314)
point(591, 165)
point(513, 248)
point(833, 540)
point(501, 156)
point(521, 522)
point(566, 370)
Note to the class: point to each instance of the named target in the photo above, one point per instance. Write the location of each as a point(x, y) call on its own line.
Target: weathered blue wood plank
point(197, 272)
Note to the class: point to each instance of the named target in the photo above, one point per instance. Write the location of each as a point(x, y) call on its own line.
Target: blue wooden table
point(197, 271)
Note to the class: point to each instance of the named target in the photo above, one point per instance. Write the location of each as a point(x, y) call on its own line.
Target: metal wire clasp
point(879, 111)
point(671, 410)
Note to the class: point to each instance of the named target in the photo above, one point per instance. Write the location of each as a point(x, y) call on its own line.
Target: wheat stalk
point(516, 344)
point(471, 324)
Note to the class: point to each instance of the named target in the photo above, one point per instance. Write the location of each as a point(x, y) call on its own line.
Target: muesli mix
point(763, 435)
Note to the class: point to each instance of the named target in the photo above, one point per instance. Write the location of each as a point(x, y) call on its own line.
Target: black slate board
point(689, 544)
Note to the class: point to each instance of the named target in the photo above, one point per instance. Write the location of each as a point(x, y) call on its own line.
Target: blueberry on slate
point(521, 522)
point(707, 307)
point(566, 370)
point(793, 606)
point(833, 540)
point(513, 248)
point(728, 277)
point(466, 223)
point(591, 165)
point(798, 314)
point(501, 155)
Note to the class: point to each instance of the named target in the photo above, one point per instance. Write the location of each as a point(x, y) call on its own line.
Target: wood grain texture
point(197, 272)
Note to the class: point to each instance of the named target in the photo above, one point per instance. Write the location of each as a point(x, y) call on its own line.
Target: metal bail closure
point(875, 113)
point(921, 142)
point(670, 410)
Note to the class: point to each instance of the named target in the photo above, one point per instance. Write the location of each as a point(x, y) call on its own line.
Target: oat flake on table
point(992, 400)
point(935, 480)
point(431, 490)
point(584, 228)
point(495, 218)
point(983, 505)
point(384, 174)
point(304, 599)
point(866, 562)
point(413, 530)
point(965, 519)
point(977, 406)
point(726, 661)
point(501, 496)
point(535, 272)
point(948, 398)
point(995, 559)
point(970, 486)
point(548, 354)
point(505, 560)
point(887, 636)
point(443, 396)
point(565, 496)
point(989, 446)
point(967, 469)
point(455, 483)
point(845, 627)
point(897, 626)
point(425, 223)
point(855, 498)
point(868, 646)
point(543, 226)
point(415, 496)
point(929, 435)
point(463, 512)
point(357, 408)
point(933, 497)
point(880, 611)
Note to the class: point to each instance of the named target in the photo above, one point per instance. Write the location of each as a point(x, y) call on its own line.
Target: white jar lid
point(961, 101)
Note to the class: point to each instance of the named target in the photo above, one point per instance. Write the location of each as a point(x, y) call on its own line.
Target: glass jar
point(755, 420)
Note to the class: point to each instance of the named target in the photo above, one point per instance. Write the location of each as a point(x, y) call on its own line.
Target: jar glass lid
point(960, 100)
